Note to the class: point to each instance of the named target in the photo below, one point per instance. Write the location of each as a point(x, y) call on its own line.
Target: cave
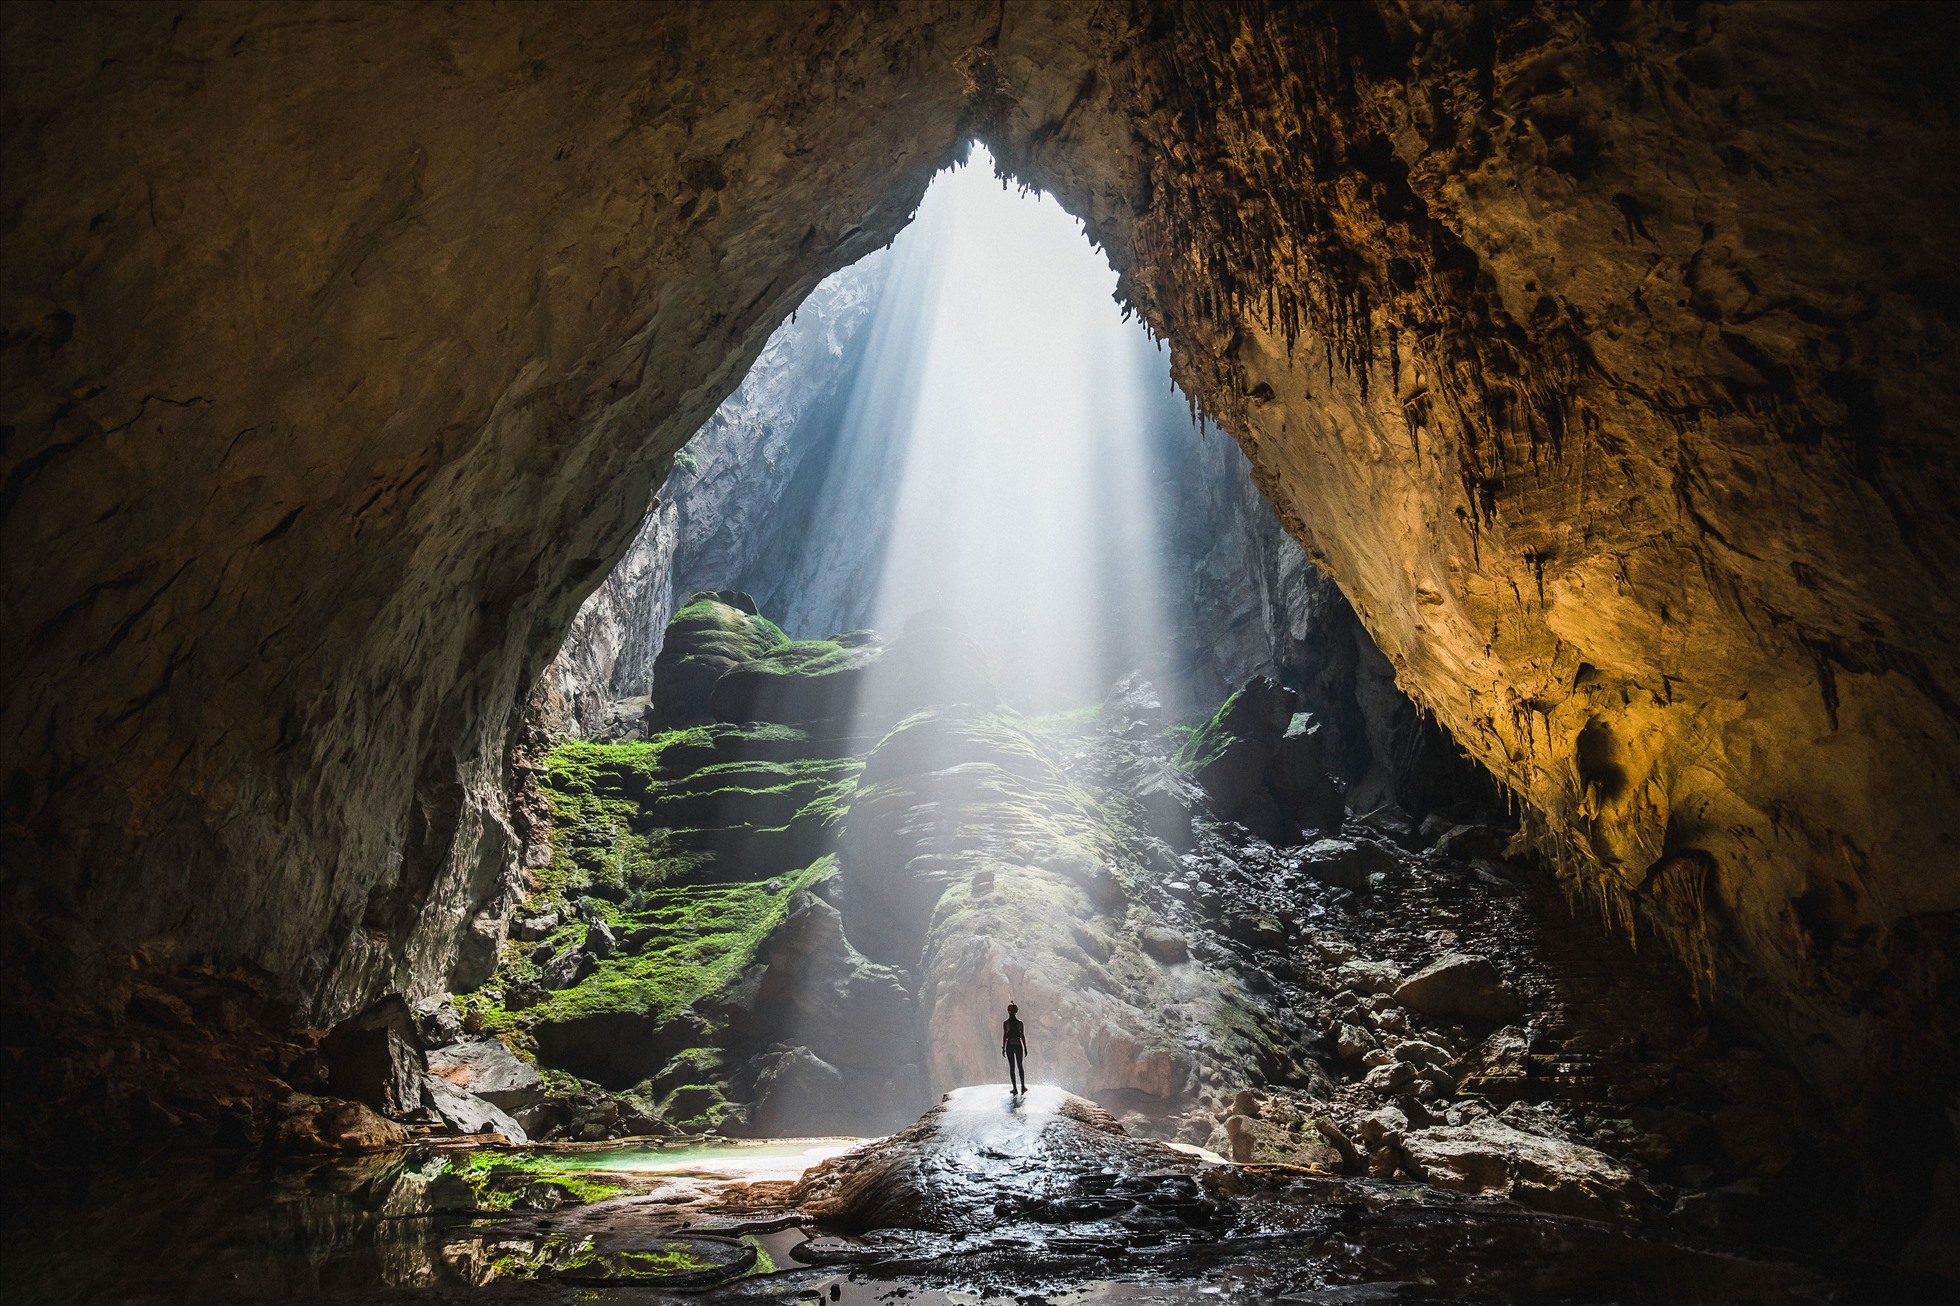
point(414, 428)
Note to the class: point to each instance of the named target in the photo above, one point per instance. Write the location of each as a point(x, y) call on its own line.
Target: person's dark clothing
point(1014, 1043)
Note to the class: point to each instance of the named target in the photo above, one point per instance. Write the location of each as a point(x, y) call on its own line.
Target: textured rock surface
point(734, 512)
point(1604, 358)
point(1492, 1158)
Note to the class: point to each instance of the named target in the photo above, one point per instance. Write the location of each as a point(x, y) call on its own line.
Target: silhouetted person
point(1014, 1046)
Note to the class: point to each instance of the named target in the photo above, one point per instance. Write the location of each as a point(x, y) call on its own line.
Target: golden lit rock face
point(1603, 364)
point(1606, 363)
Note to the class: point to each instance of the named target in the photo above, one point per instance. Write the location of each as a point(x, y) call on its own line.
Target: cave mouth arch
point(428, 363)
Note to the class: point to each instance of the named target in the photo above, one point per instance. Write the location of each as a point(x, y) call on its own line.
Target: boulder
point(1500, 1066)
point(436, 1022)
point(796, 1092)
point(821, 992)
point(1459, 985)
point(1417, 1052)
point(625, 720)
point(1229, 756)
point(1308, 797)
point(373, 1057)
point(529, 929)
point(1133, 707)
point(1346, 863)
point(331, 1124)
point(1164, 944)
point(1257, 929)
point(568, 968)
point(489, 1069)
point(711, 634)
point(467, 1113)
point(1353, 1042)
point(1491, 1158)
point(1367, 976)
point(1383, 1126)
point(1391, 1078)
point(600, 941)
point(1166, 799)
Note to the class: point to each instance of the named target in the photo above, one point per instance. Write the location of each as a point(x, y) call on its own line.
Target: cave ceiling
point(1603, 355)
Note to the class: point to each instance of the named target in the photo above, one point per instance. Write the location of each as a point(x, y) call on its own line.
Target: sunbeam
point(1017, 408)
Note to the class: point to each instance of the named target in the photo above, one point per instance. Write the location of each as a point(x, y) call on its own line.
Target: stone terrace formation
point(1604, 357)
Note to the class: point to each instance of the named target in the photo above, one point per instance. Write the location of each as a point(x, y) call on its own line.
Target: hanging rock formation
point(1604, 357)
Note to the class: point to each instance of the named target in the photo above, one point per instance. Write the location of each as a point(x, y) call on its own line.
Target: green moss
point(498, 1179)
point(807, 657)
point(687, 943)
point(626, 816)
point(1202, 747)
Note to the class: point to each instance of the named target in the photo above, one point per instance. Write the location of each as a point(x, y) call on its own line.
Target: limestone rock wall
point(734, 508)
point(345, 348)
point(1604, 358)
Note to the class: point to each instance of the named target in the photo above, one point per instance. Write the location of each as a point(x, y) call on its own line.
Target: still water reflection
point(185, 1226)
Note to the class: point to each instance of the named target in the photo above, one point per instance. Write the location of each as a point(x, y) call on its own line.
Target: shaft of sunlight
point(1017, 428)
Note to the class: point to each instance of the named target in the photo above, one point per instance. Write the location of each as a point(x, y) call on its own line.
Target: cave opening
point(958, 543)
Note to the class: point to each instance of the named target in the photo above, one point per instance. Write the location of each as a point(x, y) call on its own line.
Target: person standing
point(1014, 1046)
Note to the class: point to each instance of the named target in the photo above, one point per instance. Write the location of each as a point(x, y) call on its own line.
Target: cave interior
point(590, 593)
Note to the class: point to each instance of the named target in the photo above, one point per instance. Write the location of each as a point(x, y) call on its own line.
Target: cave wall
point(345, 346)
point(1604, 357)
point(743, 507)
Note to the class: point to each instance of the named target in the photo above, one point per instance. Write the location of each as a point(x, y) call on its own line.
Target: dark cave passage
point(1434, 691)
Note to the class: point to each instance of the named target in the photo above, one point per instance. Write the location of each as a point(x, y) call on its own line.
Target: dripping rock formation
point(1604, 357)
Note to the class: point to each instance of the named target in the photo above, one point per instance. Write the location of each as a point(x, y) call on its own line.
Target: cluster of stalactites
point(1276, 199)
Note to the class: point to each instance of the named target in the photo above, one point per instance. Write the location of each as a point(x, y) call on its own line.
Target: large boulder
point(436, 1023)
point(1133, 707)
point(1491, 1158)
point(490, 1070)
point(1262, 763)
point(797, 1092)
point(373, 1057)
point(466, 1113)
point(1165, 798)
point(1308, 796)
point(1346, 863)
point(822, 993)
point(331, 1124)
point(713, 632)
point(1458, 985)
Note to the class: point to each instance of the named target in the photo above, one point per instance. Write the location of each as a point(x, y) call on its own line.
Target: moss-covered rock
point(635, 1010)
point(1262, 765)
point(712, 632)
point(804, 682)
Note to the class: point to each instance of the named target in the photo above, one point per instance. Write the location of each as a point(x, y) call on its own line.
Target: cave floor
point(1025, 1202)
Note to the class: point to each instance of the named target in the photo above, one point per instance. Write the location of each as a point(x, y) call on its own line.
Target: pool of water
point(189, 1225)
point(784, 1158)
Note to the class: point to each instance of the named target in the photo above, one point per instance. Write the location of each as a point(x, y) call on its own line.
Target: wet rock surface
point(986, 1196)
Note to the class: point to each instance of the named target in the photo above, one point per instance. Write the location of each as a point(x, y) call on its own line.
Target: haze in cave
point(590, 593)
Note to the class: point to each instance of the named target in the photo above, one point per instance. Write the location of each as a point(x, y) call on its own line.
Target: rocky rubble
point(1466, 1046)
